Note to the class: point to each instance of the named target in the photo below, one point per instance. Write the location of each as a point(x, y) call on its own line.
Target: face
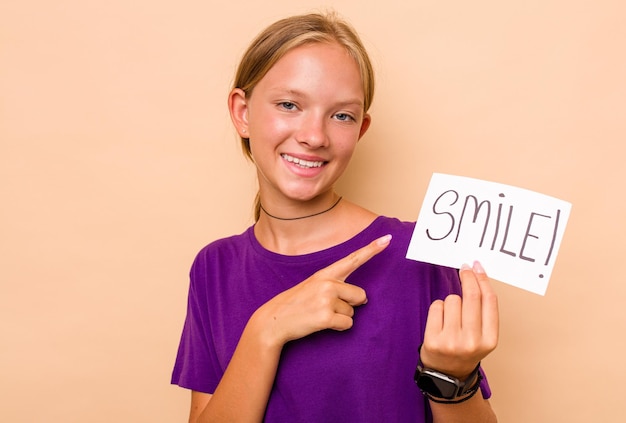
point(303, 119)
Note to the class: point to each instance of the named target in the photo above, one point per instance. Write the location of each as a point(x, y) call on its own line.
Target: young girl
point(313, 314)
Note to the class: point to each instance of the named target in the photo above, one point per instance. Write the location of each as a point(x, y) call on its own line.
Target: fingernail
point(384, 239)
point(465, 266)
point(478, 268)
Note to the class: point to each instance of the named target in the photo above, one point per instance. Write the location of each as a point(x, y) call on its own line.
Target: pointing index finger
point(342, 268)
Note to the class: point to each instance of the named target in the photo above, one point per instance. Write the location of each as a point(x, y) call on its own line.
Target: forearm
point(244, 390)
point(474, 410)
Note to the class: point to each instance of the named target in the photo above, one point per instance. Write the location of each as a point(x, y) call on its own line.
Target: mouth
point(306, 164)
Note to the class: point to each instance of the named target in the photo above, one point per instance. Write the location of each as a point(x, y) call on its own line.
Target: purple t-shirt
point(364, 374)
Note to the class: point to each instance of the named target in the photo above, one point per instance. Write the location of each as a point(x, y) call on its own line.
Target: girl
point(313, 314)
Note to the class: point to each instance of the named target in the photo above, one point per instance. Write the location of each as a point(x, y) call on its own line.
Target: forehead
point(320, 67)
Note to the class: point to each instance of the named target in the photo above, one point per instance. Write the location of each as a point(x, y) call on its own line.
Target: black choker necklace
point(301, 217)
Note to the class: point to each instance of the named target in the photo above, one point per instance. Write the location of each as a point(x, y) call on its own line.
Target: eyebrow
point(299, 94)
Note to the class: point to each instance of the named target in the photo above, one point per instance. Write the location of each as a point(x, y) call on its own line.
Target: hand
point(323, 301)
point(461, 332)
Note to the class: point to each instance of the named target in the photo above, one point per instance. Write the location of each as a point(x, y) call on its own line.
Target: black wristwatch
point(440, 387)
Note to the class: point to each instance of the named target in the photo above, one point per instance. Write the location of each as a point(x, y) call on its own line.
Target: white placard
point(514, 233)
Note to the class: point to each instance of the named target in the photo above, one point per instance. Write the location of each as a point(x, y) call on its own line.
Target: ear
point(365, 124)
point(238, 108)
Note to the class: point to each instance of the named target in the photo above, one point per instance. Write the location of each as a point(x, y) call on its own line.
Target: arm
point(250, 375)
point(459, 334)
point(476, 409)
point(199, 401)
point(323, 301)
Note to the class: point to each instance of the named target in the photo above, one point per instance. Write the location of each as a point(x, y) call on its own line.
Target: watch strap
point(464, 395)
point(462, 389)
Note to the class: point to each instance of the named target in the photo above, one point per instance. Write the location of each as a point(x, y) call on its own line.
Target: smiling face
point(304, 119)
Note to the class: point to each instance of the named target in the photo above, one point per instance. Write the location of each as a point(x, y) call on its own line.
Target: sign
point(513, 232)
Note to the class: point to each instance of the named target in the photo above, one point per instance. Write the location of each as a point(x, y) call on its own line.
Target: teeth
point(300, 162)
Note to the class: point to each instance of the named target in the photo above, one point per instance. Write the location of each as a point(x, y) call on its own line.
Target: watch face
point(437, 384)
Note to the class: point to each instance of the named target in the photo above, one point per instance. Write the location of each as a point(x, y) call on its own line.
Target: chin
point(306, 196)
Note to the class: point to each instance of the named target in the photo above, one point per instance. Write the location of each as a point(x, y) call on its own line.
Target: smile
point(300, 162)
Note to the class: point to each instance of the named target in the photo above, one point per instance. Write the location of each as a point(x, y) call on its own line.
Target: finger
point(341, 322)
point(452, 314)
point(342, 307)
point(434, 321)
point(342, 268)
point(352, 294)
point(472, 300)
point(490, 312)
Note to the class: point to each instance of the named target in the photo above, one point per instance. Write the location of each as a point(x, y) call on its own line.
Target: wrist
point(264, 332)
point(444, 388)
point(457, 368)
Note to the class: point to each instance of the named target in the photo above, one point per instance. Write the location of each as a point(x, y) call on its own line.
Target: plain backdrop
point(118, 163)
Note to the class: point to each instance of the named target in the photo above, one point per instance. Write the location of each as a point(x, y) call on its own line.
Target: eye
point(344, 117)
point(287, 105)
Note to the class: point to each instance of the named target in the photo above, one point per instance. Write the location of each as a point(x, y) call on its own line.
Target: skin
point(309, 106)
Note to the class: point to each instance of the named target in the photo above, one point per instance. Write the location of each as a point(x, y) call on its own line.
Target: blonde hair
point(286, 34)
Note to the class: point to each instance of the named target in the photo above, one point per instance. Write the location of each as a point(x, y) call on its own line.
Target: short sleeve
point(196, 366)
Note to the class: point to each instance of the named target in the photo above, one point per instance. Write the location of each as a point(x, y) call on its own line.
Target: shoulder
point(395, 223)
point(221, 250)
point(400, 230)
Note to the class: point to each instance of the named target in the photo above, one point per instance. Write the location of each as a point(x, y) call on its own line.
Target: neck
point(286, 231)
point(315, 234)
point(300, 217)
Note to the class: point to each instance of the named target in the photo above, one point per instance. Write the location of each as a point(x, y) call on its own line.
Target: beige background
point(118, 162)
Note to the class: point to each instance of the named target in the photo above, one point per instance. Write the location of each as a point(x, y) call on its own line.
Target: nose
point(312, 132)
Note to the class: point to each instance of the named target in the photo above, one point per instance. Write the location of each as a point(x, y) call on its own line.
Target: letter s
point(435, 211)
